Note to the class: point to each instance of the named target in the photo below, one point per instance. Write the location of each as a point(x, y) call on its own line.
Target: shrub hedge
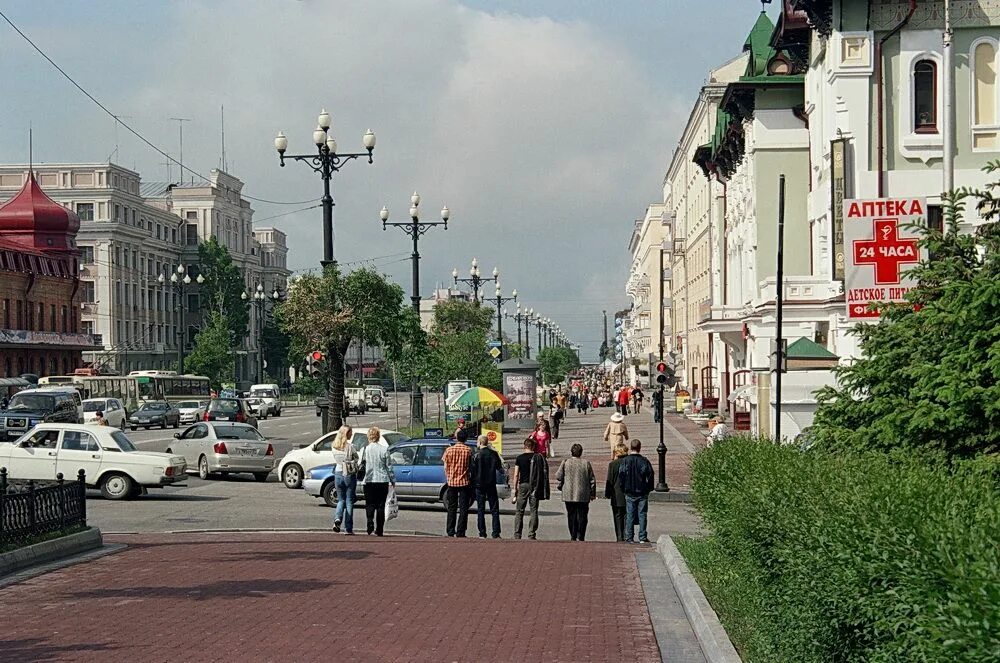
point(814, 557)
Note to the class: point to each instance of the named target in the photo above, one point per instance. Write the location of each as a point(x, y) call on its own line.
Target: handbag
point(351, 465)
point(362, 467)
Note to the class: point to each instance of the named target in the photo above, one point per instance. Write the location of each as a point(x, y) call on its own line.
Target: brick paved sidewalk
point(273, 597)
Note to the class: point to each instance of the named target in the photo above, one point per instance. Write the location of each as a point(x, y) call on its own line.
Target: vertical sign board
point(838, 180)
point(454, 387)
point(494, 433)
point(880, 250)
point(519, 388)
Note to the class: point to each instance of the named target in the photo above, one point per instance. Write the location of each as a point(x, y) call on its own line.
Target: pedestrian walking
point(486, 465)
point(558, 414)
point(562, 400)
point(345, 479)
point(637, 397)
point(622, 400)
point(575, 479)
point(616, 431)
point(635, 475)
point(531, 483)
point(614, 493)
point(378, 477)
point(542, 437)
point(457, 462)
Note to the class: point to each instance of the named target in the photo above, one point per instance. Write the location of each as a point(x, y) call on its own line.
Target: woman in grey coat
point(579, 486)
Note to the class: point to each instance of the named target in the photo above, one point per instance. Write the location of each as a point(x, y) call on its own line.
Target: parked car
point(417, 466)
point(155, 413)
point(192, 411)
point(297, 462)
point(224, 448)
point(230, 409)
point(29, 407)
point(114, 411)
point(109, 459)
point(354, 400)
point(376, 399)
point(270, 394)
point(259, 408)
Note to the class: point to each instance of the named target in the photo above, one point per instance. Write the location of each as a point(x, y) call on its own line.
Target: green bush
point(815, 557)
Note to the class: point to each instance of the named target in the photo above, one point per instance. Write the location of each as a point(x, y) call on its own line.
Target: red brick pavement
point(267, 597)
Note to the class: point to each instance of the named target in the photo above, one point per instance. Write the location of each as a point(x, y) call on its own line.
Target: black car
point(155, 413)
point(33, 406)
point(230, 409)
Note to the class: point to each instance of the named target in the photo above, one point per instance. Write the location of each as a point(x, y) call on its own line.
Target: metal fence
point(29, 510)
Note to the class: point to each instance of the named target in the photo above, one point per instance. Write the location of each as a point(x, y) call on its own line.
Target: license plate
point(222, 418)
point(246, 452)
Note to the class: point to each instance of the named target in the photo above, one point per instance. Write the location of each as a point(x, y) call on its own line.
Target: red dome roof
point(32, 219)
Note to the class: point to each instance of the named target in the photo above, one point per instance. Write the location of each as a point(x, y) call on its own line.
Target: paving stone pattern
point(272, 597)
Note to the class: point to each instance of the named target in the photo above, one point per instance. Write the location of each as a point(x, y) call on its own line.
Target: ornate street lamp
point(179, 280)
point(475, 279)
point(501, 300)
point(326, 162)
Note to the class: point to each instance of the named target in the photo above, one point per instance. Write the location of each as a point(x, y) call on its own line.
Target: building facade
point(40, 329)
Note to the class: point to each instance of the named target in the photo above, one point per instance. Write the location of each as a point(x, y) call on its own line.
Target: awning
point(747, 392)
point(14, 382)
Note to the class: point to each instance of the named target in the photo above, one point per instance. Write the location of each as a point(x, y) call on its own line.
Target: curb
point(712, 637)
point(269, 530)
point(47, 551)
point(685, 496)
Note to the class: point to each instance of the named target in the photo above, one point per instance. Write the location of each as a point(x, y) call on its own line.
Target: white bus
point(136, 387)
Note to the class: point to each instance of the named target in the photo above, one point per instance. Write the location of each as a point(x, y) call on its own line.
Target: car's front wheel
point(291, 476)
point(203, 472)
point(329, 494)
point(132, 428)
point(117, 486)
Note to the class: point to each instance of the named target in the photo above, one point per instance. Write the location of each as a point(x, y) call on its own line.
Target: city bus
point(135, 387)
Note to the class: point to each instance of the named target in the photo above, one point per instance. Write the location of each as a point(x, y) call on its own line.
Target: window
point(157, 231)
point(431, 454)
point(79, 441)
point(403, 456)
point(173, 235)
point(985, 127)
point(85, 211)
point(925, 96)
point(88, 327)
point(52, 317)
point(118, 213)
point(87, 255)
point(65, 319)
point(6, 315)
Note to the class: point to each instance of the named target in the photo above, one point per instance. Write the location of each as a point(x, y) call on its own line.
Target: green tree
point(276, 347)
point(329, 311)
point(604, 352)
point(557, 363)
point(223, 287)
point(929, 377)
point(212, 355)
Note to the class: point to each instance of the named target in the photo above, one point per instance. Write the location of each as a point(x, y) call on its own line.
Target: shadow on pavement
point(37, 649)
point(222, 589)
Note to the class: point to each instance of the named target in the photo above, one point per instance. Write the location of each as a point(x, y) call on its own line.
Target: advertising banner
point(453, 387)
point(494, 433)
point(880, 248)
point(519, 388)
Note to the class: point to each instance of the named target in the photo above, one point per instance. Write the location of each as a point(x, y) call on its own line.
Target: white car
point(297, 462)
point(258, 406)
point(192, 411)
point(270, 394)
point(109, 459)
point(114, 411)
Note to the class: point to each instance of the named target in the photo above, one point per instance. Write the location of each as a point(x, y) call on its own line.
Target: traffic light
point(663, 373)
point(315, 363)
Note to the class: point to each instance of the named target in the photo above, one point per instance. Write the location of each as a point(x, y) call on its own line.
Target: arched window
point(985, 132)
point(925, 96)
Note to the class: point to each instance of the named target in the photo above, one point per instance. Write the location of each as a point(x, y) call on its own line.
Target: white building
point(132, 232)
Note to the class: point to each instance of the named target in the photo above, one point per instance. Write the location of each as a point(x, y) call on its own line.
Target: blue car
point(418, 467)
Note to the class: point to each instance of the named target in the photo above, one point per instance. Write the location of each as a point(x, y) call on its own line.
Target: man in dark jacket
point(486, 465)
point(635, 476)
point(613, 491)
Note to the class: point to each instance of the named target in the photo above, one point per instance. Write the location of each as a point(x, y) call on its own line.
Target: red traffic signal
point(661, 367)
point(317, 355)
point(663, 373)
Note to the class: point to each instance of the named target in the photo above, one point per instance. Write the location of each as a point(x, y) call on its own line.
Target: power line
point(118, 118)
point(294, 211)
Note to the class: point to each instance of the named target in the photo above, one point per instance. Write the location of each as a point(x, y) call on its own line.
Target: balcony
point(723, 318)
point(89, 308)
point(22, 338)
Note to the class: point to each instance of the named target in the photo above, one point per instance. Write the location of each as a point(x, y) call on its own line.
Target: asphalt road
point(238, 502)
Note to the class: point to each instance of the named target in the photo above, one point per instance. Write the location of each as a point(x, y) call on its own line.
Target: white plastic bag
point(391, 505)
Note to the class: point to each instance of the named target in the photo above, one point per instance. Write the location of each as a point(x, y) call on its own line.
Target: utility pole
point(779, 353)
point(949, 100)
point(605, 313)
point(180, 127)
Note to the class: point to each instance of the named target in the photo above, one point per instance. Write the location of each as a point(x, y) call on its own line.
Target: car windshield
point(31, 402)
point(184, 405)
point(155, 406)
point(94, 406)
point(264, 393)
point(237, 432)
point(123, 442)
point(225, 406)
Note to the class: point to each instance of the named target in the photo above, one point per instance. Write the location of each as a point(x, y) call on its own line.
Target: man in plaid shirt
point(456, 471)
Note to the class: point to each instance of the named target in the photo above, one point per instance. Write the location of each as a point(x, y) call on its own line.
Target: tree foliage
point(212, 355)
point(557, 363)
point(223, 287)
point(929, 378)
point(329, 311)
point(277, 344)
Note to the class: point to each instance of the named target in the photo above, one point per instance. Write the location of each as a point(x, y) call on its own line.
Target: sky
point(546, 126)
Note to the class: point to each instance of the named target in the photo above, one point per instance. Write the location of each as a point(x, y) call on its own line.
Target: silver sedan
point(222, 447)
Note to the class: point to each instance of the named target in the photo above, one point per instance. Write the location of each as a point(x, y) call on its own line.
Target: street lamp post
point(415, 228)
point(501, 300)
point(529, 317)
point(258, 298)
point(475, 280)
point(326, 162)
point(179, 280)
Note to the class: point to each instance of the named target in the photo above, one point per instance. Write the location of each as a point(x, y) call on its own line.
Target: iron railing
point(31, 510)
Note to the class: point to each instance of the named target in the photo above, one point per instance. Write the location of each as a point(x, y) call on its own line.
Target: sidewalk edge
point(48, 551)
point(714, 640)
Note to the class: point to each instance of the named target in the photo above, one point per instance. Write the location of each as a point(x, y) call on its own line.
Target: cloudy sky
point(544, 125)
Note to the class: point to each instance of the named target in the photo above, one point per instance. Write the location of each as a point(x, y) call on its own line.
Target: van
point(270, 394)
point(73, 392)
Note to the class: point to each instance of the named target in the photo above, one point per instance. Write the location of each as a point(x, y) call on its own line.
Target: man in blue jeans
point(635, 476)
